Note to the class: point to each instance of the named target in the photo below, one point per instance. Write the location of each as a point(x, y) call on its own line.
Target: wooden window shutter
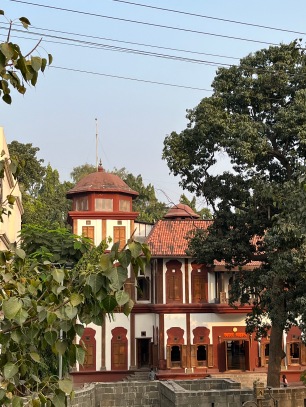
point(89, 362)
point(288, 354)
point(119, 235)
point(89, 231)
point(210, 355)
point(196, 288)
point(177, 288)
point(193, 355)
point(168, 356)
point(170, 284)
point(116, 354)
point(303, 353)
point(122, 355)
point(262, 354)
point(203, 288)
point(184, 356)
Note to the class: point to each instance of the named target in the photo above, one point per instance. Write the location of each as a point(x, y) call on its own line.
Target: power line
point(131, 79)
point(128, 42)
point(143, 22)
point(121, 49)
point(208, 17)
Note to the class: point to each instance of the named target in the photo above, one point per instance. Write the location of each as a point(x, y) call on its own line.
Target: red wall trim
point(185, 308)
point(175, 332)
point(101, 215)
point(201, 331)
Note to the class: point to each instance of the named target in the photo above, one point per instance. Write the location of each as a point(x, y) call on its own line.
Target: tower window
point(81, 204)
point(124, 206)
point(103, 205)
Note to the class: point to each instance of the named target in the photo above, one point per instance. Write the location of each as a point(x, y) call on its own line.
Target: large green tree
point(81, 171)
point(257, 116)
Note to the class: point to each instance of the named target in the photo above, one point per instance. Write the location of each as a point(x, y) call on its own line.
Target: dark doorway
point(201, 355)
point(175, 354)
point(143, 353)
point(236, 355)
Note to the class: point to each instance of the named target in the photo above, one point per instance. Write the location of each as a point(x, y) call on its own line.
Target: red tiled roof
point(101, 181)
point(181, 211)
point(167, 238)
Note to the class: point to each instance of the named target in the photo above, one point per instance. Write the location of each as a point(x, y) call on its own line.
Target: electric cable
point(143, 22)
point(209, 17)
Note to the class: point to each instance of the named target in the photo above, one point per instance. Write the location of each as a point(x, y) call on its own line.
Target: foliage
point(17, 69)
point(81, 171)
point(257, 116)
point(151, 210)
point(204, 212)
point(38, 300)
point(58, 246)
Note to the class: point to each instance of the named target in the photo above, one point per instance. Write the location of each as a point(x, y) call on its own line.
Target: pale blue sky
point(58, 116)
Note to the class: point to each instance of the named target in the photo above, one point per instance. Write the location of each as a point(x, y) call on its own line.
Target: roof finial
point(100, 168)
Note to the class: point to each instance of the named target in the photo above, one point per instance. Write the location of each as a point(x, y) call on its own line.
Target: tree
point(81, 171)
point(151, 210)
point(257, 116)
point(17, 69)
point(204, 212)
point(38, 300)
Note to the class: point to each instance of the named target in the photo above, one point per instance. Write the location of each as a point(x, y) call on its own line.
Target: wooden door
point(193, 355)
point(288, 354)
point(184, 356)
point(225, 352)
point(262, 354)
point(303, 353)
point(89, 357)
point(138, 345)
point(119, 235)
point(247, 355)
point(155, 355)
point(174, 287)
point(210, 355)
point(199, 288)
point(89, 231)
point(89, 340)
point(150, 352)
point(168, 356)
point(119, 355)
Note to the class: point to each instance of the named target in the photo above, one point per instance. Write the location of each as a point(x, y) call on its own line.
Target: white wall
point(177, 321)
point(210, 320)
point(144, 322)
point(120, 321)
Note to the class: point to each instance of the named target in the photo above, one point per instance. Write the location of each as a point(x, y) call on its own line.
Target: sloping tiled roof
point(181, 211)
point(167, 238)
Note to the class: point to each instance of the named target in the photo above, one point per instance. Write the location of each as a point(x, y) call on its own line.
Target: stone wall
point(121, 394)
point(246, 379)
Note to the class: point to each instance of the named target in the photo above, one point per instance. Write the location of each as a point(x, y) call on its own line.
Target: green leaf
point(106, 261)
point(21, 316)
point(36, 63)
point(7, 50)
point(43, 67)
point(25, 22)
point(127, 308)
point(135, 248)
point(51, 317)
point(101, 294)
point(1, 13)
point(51, 337)
point(61, 346)
point(65, 385)
point(146, 251)
point(35, 356)
point(98, 319)
point(95, 281)
point(11, 307)
point(124, 257)
point(80, 354)
point(70, 311)
point(76, 299)
point(10, 370)
point(16, 336)
point(2, 60)
point(17, 401)
point(20, 253)
point(122, 297)
point(2, 394)
point(79, 329)
point(115, 247)
point(50, 59)
point(20, 288)
point(117, 277)
point(7, 99)
point(65, 325)
point(59, 399)
point(142, 264)
point(109, 303)
point(58, 275)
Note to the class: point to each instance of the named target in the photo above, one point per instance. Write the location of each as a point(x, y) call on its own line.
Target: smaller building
point(11, 224)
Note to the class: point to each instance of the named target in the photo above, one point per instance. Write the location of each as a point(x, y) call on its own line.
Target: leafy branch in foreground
point(38, 300)
point(17, 69)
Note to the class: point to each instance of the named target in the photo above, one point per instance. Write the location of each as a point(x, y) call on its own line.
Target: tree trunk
point(276, 354)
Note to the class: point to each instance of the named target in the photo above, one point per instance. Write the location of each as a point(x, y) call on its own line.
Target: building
point(182, 319)
point(11, 224)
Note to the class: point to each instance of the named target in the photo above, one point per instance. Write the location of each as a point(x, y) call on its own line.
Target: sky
point(58, 115)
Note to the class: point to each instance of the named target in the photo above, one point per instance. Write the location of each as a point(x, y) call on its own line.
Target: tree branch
point(34, 48)
point(9, 32)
